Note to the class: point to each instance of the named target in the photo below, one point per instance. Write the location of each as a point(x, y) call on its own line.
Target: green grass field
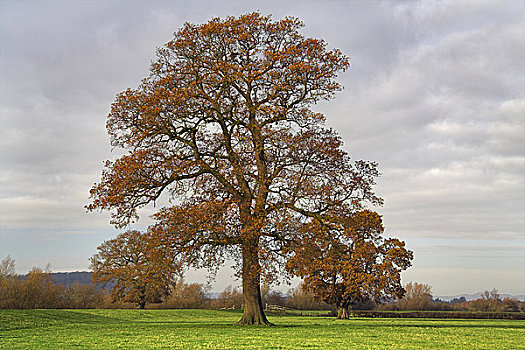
point(208, 329)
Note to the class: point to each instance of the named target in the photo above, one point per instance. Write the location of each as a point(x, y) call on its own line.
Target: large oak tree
point(223, 125)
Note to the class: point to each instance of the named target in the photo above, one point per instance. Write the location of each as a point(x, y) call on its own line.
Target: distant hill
point(70, 278)
point(65, 278)
point(475, 296)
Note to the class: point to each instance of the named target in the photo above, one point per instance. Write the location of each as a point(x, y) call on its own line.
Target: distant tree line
point(418, 297)
point(41, 289)
point(37, 290)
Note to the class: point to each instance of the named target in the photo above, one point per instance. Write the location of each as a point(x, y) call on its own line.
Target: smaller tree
point(492, 295)
point(82, 296)
point(489, 302)
point(9, 284)
point(186, 296)
point(418, 290)
point(302, 298)
point(142, 270)
point(418, 296)
point(348, 261)
point(7, 267)
point(231, 298)
point(510, 305)
point(38, 291)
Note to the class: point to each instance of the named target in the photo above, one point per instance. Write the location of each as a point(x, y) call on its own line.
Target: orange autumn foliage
point(223, 125)
point(349, 261)
point(139, 271)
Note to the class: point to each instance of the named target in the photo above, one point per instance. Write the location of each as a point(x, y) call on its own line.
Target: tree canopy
point(140, 271)
point(351, 262)
point(223, 125)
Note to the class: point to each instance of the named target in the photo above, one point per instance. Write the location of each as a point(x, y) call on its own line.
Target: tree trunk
point(342, 313)
point(142, 296)
point(251, 287)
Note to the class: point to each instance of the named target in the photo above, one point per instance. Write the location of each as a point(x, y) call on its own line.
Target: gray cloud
point(446, 123)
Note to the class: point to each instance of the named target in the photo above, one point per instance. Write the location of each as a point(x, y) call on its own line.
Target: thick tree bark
point(342, 312)
point(251, 284)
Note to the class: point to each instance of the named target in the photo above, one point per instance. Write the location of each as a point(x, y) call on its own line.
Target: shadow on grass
point(25, 319)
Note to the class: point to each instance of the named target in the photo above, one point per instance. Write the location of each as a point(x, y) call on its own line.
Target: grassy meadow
point(214, 329)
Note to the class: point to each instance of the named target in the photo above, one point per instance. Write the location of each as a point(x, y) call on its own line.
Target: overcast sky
point(435, 95)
